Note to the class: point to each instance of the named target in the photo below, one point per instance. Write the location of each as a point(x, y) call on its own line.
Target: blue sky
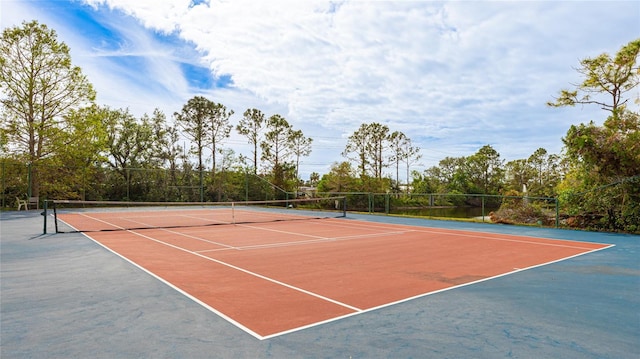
point(452, 75)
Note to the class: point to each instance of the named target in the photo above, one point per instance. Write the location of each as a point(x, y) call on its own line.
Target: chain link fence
point(21, 180)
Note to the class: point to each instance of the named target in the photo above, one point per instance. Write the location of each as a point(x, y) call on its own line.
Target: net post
point(344, 206)
point(233, 213)
point(44, 213)
point(55, 216)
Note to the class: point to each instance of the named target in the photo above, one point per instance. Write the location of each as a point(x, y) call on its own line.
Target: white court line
point(316, 237)
point(319, 240)
point(483, 235)
point(249, 272)
point(226, 246)
point(100, 220)
point(356, 310)
point(186, 294)
point(431, 293)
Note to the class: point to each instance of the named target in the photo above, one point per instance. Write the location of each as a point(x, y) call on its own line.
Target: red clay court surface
point(275, 278)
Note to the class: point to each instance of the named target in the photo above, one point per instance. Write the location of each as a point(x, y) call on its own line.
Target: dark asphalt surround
point(64, 296)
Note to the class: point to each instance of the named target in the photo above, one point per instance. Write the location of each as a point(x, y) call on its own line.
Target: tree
point(604, 161)
point(537, 162)
point(403, 151)
point(426, 182)
point(378, 144)
point(314, 178)
point(40, 87)
point(358, 144)
point(300, 146)
point(518, 174)
point(485, 169)
point(80, 152)
point(369, 143)
point(220, 129)
point(339, 179)
point(546, 173)
point(604, 75)
point(131, 145)
point(454, 176)
point(251, 125)
point(195, 120)
point(167, 148)
point(397, 140)
point(604, 175)
point(276, 148)
point(167, 137)
point(540, 173)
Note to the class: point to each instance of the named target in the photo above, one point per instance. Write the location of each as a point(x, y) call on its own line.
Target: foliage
point(250, 126)
point(402, 151)
point(276, 150)
point(517, 208)
point(300, 147)
point(601, 189)
point(341, 178)
point(426, 182)
point(485, 171)
point(605, 75)
point(195, 122)
point(220, 129)
point(53, 135)
point(538, 175)
point(604, 178)
point(482, 172)
point(368, 144)
point(40, 89)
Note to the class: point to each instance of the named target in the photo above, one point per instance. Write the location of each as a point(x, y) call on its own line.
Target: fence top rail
point(438, 194)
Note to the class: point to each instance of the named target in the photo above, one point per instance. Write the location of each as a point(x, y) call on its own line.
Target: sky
point(451, 75)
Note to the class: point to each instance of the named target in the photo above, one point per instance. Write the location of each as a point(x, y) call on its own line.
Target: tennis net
point(95, 216)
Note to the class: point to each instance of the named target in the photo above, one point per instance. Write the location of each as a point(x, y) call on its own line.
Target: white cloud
point(457, 74)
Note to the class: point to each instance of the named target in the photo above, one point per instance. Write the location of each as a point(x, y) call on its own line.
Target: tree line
point(50, 120)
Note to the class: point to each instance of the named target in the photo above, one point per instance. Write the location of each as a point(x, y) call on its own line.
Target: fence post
point(201, 186)
point(246, 186)
point(29, 188)
point(128, 179)
point(557, 213)
point(4, 171)
point(386, 203)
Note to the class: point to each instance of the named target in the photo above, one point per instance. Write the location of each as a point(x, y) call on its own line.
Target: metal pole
point(55, 217)
point(386, 204)
point(44, 213)
point(29, 188)
point(557, 213)
point(4, 171)
point(344, 206)
point(246, 186)
point(128, 179)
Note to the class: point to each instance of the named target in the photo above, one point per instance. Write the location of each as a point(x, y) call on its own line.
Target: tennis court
point(272, 271)
point(65, 296)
